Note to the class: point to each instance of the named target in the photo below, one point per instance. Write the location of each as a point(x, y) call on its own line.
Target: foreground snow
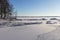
point(53, 35)
point(27, 32)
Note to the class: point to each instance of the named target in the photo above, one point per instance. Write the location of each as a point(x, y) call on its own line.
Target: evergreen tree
point(5, 9)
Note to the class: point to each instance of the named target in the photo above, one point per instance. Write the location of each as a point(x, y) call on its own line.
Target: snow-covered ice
point(27, 32)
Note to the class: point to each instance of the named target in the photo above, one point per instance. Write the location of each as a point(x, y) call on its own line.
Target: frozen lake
point(30, 32)
point(27, 32)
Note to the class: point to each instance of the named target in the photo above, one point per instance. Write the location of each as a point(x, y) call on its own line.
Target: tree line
point(6, 9)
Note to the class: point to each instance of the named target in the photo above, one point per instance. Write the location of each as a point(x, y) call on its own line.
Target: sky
point(36, 7)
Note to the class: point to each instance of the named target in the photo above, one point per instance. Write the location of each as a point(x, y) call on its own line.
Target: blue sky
point(37, 7)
